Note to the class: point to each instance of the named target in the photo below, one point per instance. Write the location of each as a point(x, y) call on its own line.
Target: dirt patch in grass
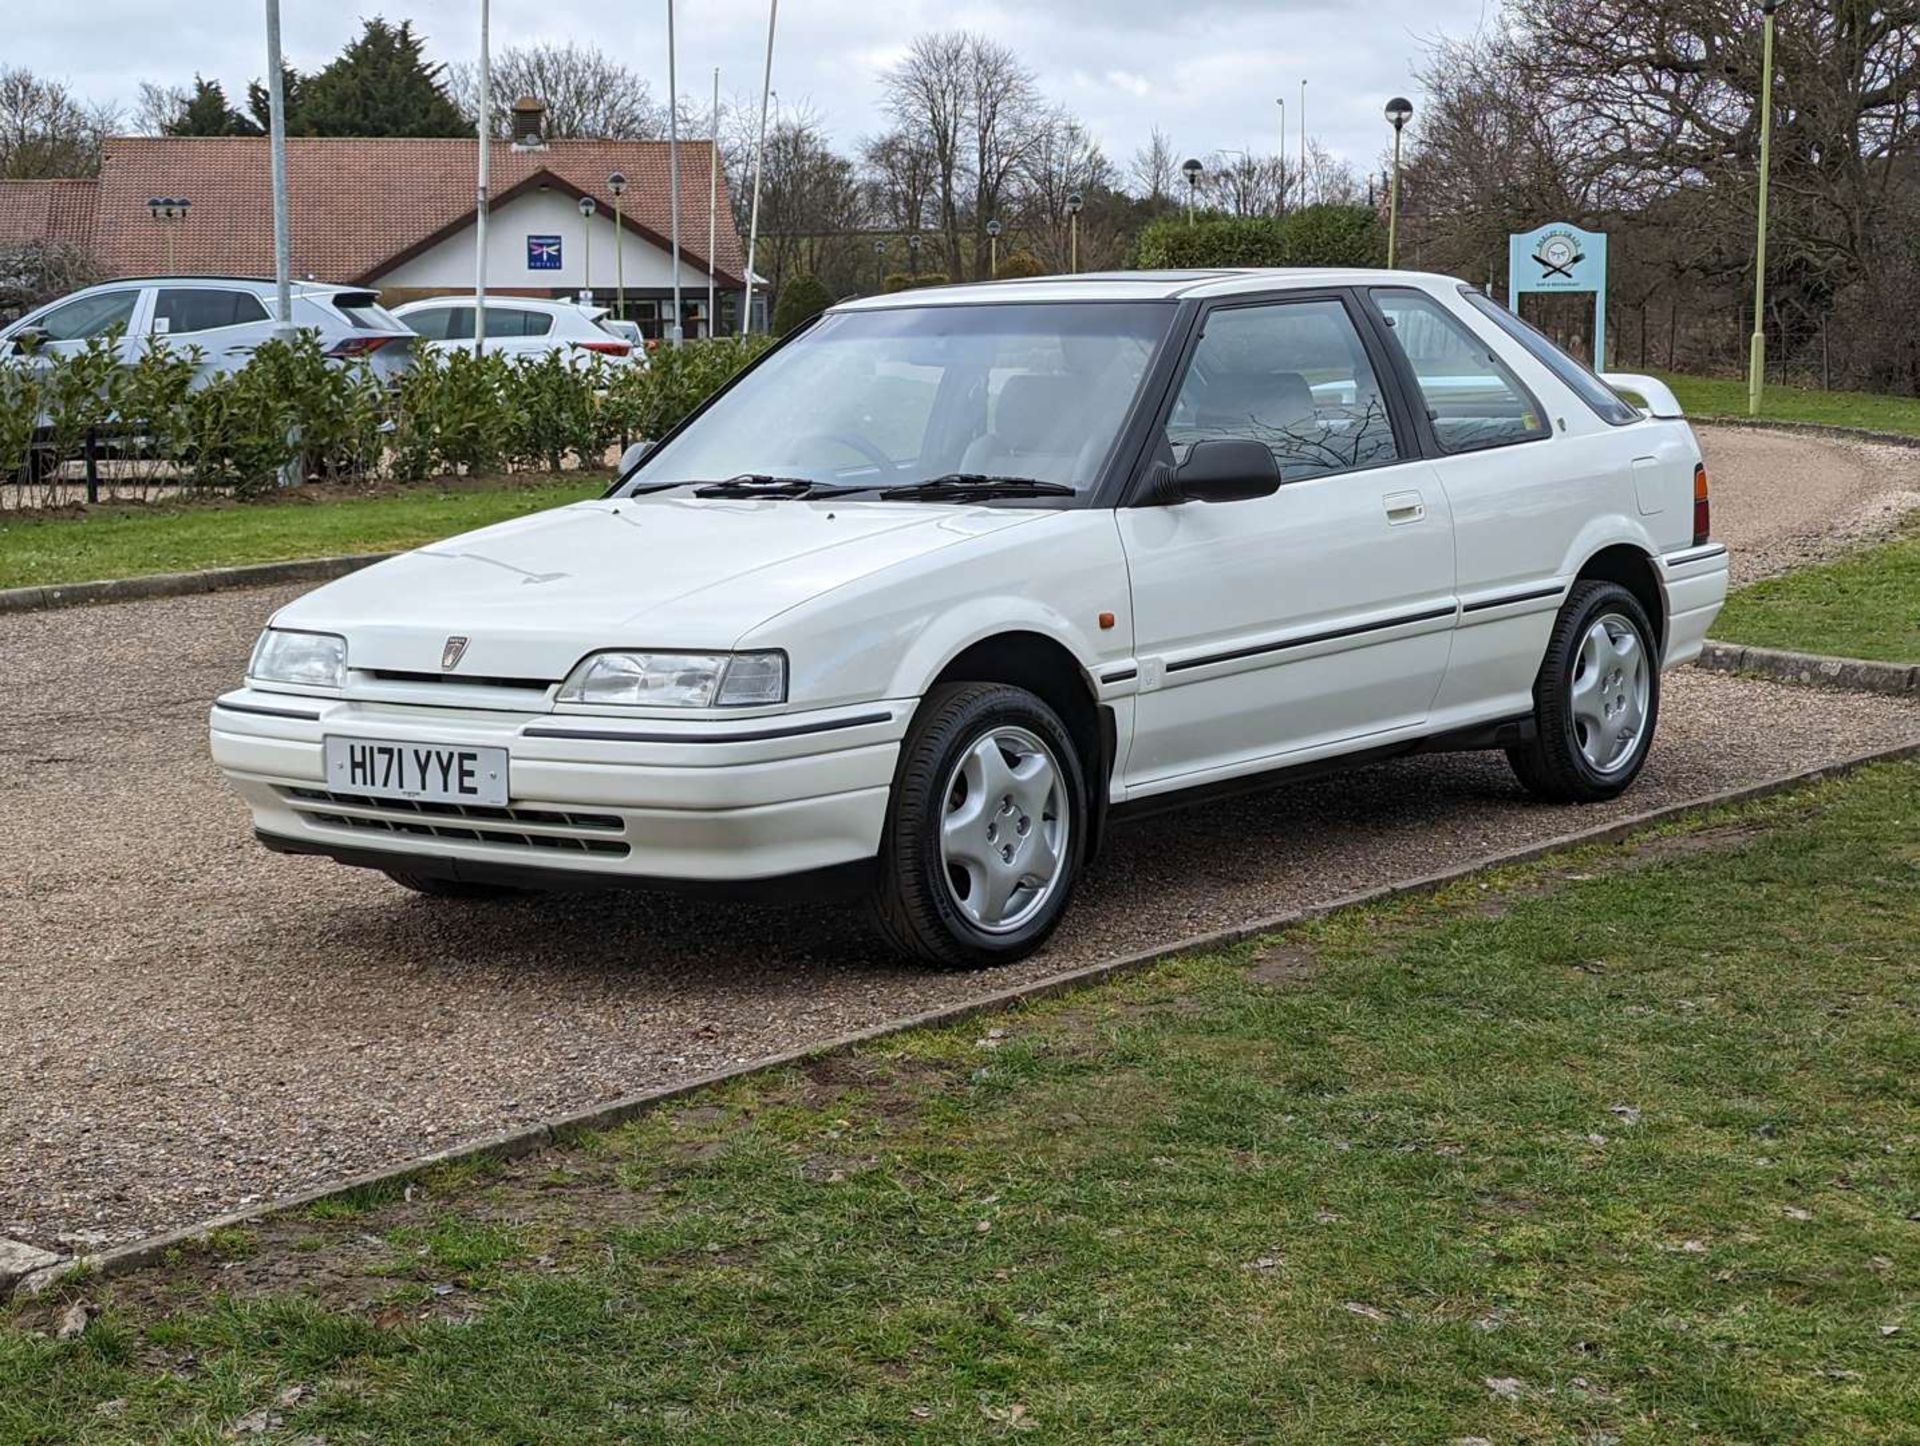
point(1283, 966)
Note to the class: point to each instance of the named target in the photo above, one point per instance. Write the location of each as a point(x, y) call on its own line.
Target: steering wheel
point(853, 444)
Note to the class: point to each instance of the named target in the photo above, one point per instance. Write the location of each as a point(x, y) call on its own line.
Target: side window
point(1472, 397)
point(535, 323)
point(429, 322)
point(1293, 375)
point(202, 308)
point(89, 316)
point(1605, 402)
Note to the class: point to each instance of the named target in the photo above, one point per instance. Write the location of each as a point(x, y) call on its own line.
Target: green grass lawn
point(1866, 605)
point(1622, 1146)
point(131, 541)
point(1709, 397)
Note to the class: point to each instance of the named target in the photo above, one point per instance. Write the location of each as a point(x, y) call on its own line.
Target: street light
point(993, 248)
point(587, 208)
point(913, 255)
point(169, 211)
point(1191, 169)
point(879, 266)
point(1280, 156)
point(1399, 112)
point(1074, 203)
point(1757, 358)
point(617, 183)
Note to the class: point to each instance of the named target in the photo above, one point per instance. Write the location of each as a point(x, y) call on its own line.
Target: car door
point(222, 324)
point(1303, 621)
point(1520, 493)
point(68, 327)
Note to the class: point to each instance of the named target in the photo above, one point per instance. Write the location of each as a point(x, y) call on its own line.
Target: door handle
point(1404, 507)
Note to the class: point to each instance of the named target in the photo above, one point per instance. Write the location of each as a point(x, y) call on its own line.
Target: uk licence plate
point(426, 772)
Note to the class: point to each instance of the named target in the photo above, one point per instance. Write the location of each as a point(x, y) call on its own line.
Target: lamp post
point(1074, 203)
point(993, 248)
point(1399, 112)
point(587, 208)
point(1303, 143)
point(879, 266)
point(169, 211)
point(1280, 156)
point(913, 255)
point(617, 183)
point(1757, 357)
point(1191, 169)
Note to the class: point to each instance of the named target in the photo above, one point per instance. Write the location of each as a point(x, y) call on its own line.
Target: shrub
point(650, 402)
point(1019, 264)
point(901, 281)
point(1326, 235)
point(801, 300)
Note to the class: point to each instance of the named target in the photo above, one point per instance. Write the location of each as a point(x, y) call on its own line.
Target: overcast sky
point(1205, 71)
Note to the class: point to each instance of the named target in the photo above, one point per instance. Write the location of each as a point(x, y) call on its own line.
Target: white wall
point(550, 213)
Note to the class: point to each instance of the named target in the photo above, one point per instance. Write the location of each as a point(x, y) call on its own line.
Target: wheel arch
point(1634, 569)
point(1047, 668)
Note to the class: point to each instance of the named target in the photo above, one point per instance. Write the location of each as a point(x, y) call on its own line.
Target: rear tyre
point(986, 828)
point(1596, 700)
point(433, 888)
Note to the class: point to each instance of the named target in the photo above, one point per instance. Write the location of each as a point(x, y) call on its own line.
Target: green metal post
point(1393, 204)
point(1757, 354)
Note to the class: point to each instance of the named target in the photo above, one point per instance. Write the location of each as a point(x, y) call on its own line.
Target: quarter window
point(429, 322)
point(1292, 375)
point(86, 317)
point(1603, 399)
point(200, 308)
point(1473, 399)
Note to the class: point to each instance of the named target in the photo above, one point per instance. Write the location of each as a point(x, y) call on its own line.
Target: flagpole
point(759, 160)
point(484, 130)
point(290, 474)
point(713, 213)
point(673, 171)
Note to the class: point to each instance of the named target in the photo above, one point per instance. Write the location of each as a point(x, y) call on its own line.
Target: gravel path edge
point(184, 584)
point(514, 1143)
point(1811, 429)
point(1812, 670)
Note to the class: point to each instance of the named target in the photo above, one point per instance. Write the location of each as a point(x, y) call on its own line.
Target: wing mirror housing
point(631, 459)
point(28, 339)
point(1226, 469)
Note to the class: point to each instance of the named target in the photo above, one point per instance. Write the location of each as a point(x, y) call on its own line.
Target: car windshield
point(898, 397)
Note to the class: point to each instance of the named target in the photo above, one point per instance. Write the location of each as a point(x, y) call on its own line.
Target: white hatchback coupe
point(949, 581)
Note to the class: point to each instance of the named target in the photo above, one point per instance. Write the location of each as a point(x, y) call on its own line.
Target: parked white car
point(952, 579)
point(517, 327)
point(222, 318)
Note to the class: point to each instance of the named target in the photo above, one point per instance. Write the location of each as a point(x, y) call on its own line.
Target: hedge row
point(450, 412)
point(1326, 235)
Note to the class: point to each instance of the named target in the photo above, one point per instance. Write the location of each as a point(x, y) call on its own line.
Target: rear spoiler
point(1656, 396)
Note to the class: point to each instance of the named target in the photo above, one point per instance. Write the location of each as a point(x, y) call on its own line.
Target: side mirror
point(630, 460)
point(1227, 470)
point(28, 339)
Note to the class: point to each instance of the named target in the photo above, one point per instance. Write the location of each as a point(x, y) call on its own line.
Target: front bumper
point(695, 801)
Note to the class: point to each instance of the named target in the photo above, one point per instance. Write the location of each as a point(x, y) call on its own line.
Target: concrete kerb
point(183, 584)
point(1813, 670)
point(525, 1140)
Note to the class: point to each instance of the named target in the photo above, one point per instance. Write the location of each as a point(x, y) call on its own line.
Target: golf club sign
point(1561, 257)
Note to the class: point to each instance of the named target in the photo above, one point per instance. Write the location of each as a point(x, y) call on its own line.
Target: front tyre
point(1595, 701)
point(985, 830)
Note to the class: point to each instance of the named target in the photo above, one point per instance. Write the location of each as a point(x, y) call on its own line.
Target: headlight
point(679, 680)
point(316, 660)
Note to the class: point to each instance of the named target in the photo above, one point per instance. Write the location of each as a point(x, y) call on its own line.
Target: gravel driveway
point(191, 1024)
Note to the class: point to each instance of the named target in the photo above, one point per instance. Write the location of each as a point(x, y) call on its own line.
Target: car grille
point(550, 830)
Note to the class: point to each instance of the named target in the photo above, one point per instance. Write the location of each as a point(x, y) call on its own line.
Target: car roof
point(1149, 285)
point(494, 298)
point(267, 282)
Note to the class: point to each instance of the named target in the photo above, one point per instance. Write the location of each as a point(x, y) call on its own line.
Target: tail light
point(361, 345)
point(1702, 513)
point(606, 348)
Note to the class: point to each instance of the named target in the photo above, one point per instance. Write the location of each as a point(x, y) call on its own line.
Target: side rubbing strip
point(265, 712)
point(1430, 615)
point(1120, 675)
point(756, 735)
point(1532, 595)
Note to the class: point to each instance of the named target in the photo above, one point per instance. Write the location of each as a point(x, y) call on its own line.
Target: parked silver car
point(521, 326)
point(224, 318)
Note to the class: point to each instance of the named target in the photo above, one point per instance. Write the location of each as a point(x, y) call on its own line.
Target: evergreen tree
point(207, 113)
point(380, 85)
point(801, 300)
point(292, 85)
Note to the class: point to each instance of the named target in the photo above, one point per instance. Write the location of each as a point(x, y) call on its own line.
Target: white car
point(221, 318)
point(952, 579)
point(517, 327)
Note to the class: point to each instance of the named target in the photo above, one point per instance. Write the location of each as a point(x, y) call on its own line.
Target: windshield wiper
point(762, 484)
point(970, 485)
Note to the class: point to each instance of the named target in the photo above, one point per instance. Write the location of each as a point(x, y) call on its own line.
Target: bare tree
point(928, 95)
point(160, 108)
point(900, 183)
point(1061, 158)
point(1005, 117)
point(45, 131)
point(588, 94)
point(1156, 165)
